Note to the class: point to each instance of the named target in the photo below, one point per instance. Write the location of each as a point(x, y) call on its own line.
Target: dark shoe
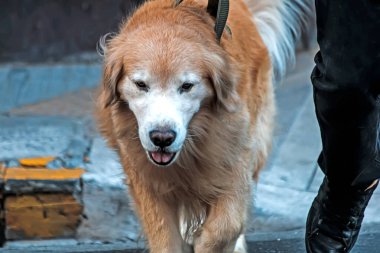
point(335, 218)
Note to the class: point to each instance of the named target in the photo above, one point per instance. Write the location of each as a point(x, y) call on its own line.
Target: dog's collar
point(219, 10)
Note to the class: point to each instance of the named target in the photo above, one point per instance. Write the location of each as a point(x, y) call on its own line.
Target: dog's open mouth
point(161, 157)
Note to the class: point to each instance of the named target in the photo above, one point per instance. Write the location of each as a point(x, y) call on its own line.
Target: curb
point(268, 242)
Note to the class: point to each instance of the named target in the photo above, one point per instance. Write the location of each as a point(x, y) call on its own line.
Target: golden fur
point(228, 141)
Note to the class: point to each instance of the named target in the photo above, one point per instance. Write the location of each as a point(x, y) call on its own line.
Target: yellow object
point(36, 162)
point(42, 174)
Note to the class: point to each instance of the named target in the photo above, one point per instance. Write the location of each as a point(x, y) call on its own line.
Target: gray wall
point(48, 47)
point(50, 30)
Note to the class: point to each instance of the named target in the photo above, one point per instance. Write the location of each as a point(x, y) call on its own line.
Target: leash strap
point(219, 10)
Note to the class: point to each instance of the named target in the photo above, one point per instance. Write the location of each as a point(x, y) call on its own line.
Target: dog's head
point(166, 65)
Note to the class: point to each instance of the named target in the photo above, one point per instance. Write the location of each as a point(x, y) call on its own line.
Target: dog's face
point(163, 107)
point(165, 78)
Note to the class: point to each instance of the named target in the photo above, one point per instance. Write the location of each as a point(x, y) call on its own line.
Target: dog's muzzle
point(162, 138)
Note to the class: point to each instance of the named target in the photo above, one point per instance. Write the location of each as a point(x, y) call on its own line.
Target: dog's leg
point(223, 226)
point(160, 222)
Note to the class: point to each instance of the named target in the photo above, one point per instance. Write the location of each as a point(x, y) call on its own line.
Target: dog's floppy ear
point(112, 70)
point(112, 74)
point(223, 83)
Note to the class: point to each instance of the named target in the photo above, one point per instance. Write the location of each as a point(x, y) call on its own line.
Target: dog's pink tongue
point(157, 156)
point(166, 157)
point(160, 157)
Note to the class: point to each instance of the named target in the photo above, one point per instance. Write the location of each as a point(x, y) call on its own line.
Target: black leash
point(219, 10)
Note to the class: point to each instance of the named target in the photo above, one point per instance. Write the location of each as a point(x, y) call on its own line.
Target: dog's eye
point(186, 87)
point(141, 85)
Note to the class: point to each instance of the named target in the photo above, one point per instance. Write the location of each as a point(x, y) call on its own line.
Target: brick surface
point(42, 216)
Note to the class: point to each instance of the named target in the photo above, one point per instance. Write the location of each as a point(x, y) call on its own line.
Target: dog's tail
point(280, 23)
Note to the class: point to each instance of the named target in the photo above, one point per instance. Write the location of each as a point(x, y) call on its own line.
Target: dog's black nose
point(162, 138)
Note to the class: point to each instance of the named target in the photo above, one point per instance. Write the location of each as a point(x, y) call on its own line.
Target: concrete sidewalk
point(281, 199)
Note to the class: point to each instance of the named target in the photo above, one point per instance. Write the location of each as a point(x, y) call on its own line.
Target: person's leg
point(346, 83)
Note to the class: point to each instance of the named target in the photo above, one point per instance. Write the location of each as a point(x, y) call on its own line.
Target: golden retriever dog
point(191, 117)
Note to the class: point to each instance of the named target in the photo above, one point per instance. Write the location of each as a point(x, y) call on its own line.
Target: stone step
point(37, 136)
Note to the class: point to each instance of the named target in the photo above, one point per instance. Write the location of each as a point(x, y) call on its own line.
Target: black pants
point(346, 83)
